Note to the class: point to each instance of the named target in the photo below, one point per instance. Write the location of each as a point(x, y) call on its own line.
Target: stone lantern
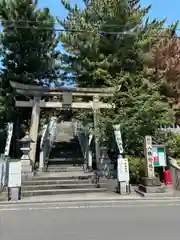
point(27, 170)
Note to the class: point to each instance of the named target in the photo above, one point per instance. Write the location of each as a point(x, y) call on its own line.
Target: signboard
point(149, 157)
point(14, 174)
point(159, 156)
point(123, 170)
point(118, 137)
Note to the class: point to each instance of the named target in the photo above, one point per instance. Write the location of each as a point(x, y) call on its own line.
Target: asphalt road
point(149, 220)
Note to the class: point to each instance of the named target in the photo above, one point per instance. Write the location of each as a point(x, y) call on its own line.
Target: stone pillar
point(35, 117)
point(149, 164)
point(41, 161)
point(43, 155)
point(89, 157)
point(96, 128)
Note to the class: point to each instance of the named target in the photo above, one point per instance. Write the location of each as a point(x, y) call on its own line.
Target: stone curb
point(70, 201)
point(91, 200)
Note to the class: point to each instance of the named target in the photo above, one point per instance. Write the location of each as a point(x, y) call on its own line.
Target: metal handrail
point(49, 134)
point(83, 150)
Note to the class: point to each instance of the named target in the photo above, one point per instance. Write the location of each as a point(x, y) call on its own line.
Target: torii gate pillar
point(35, 117)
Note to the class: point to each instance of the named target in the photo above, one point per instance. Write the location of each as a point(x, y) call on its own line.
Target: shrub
point(136, 168)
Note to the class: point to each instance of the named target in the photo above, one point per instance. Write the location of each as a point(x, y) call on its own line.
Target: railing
point(81, 137)
point(47, 141)
point(170, 128)
point(175, 173)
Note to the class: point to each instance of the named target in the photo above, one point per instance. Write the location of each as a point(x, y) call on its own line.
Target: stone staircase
point(66, 153)
point(61, 183)
point(64, 173)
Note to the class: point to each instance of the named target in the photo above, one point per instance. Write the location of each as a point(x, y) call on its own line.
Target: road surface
point(140, 220)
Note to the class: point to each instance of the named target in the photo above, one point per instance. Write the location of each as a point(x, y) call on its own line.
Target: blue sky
point(161, 9)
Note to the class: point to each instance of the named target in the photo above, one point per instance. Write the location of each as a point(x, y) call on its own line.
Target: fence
point(170, 128)
point(48, 136)
point(82, 136)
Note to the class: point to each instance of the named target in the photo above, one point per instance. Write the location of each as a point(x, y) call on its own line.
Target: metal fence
point(47, 140)
point(170, 128)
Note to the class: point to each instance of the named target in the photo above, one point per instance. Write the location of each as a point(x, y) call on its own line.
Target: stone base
point(150, 182)
point(151, 185)
point(27, 176)
point(152, 189)
point(27, 171)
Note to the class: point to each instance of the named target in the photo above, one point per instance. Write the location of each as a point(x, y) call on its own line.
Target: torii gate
point(37, 92)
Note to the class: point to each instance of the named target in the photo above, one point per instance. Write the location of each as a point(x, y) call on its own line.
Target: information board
point(14, 174)
point(159, 156)
point(123, 170)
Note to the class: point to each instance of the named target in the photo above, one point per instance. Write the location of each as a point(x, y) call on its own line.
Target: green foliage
point(173, 146)
point(28, 46)
point(140, 111)
point(109, 46)
point(172, 143)
point(103, 39)
point(136, 168)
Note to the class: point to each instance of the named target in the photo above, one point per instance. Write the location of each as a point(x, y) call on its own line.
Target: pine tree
point(107, 44)
point(105, 38)
point(28, 46)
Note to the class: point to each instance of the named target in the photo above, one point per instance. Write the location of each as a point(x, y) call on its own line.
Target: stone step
point(60, 161)
point(52, 182)
point(62, 191)
point(63, 176)
point(68, 159)
point(64, 166)
point(58, 168)
point(60, 186)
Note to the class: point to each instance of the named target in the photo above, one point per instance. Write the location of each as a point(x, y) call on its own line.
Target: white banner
point(8, 139)
point(118, 137)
